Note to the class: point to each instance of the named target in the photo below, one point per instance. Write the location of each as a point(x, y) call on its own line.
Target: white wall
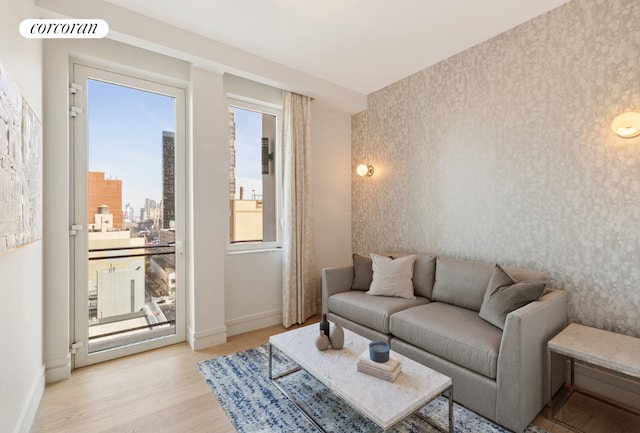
point(141, 31)
point(208, 209)
point(21, 366)
point(222, 297)
point(253, 287)
point(253, 280)
point(332, 169)
point(57, 55)
point(225, 295)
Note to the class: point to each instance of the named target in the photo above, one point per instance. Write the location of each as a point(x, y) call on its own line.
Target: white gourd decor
point(337, 337)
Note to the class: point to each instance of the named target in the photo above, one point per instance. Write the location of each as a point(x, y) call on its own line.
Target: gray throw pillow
point(505, 294)
point(362, 272)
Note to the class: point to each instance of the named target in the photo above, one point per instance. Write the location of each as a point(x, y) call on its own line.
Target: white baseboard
point(28, 413)
point(58, 369)
point(207, 338)
point(254, 322)
point(608, 385)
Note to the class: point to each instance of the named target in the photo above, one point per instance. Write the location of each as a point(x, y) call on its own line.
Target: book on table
point(388, 371)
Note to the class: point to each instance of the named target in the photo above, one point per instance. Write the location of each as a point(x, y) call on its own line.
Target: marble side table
point(615, 352)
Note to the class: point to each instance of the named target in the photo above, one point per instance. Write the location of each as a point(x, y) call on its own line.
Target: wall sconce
point(364, 170)
point(627, 125)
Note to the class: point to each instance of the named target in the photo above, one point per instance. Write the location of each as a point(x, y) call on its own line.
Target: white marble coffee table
point(385, 403)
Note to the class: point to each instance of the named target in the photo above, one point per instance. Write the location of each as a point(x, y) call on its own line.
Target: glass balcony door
point(127, 196)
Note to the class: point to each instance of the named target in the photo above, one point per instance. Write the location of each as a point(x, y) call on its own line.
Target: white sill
point(254, 251)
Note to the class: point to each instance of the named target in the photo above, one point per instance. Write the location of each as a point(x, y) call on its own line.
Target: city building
point(246, 220)
point(232, 155)
point(103, 191)
point(116, 286)
point(168, 180)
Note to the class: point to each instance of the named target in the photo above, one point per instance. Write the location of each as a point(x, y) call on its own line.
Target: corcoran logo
point(64, 29)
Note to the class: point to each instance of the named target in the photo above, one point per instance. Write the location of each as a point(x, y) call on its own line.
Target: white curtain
point(299, 291)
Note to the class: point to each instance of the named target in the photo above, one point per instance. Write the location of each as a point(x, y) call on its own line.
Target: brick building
point(105, 191)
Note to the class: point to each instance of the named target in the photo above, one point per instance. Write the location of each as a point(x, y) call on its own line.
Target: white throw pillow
point(392, 277)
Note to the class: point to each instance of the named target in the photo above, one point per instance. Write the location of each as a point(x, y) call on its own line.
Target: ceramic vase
point(322, 342)
point(324, 326)
point(337, 337)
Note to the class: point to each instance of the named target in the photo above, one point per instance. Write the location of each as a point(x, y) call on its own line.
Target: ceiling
point(362, 45)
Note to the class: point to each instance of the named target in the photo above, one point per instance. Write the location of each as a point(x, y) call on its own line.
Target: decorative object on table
point(388, 370)
point(322, 342)
point(337, 336)
point(324, 326)
point(379, 351)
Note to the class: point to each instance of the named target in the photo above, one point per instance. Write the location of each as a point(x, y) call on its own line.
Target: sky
point(248, 152)
point(125, 141)
point(125, 138)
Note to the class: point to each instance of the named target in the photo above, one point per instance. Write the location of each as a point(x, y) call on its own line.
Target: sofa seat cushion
point(370, 311)
point(453, 333)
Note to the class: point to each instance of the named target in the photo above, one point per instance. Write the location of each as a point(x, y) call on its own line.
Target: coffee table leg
point(274, 381)
point(449, 393)
point(270, 361)
point(286, 373)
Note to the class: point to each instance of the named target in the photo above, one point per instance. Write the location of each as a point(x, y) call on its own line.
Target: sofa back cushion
point(461, 282)
point(424, 273)
point(464, 282)
point(362, 272)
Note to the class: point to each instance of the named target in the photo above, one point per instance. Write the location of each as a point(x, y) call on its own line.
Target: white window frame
point(274, 110)
point(82, 70)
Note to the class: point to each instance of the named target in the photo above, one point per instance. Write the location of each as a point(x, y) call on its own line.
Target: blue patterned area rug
point(240, 382)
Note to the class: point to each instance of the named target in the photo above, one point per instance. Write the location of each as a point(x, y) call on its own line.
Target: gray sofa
point(500, 374)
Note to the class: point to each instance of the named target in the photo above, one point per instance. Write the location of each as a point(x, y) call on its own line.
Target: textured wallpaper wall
point(504, 153)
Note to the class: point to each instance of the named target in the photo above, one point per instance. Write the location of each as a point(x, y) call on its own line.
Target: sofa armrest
point(522, 380)
point(335, 280)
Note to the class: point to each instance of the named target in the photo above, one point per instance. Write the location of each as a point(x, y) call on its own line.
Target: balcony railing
point(131, 294)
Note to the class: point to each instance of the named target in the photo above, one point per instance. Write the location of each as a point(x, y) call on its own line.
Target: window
point(253, 185)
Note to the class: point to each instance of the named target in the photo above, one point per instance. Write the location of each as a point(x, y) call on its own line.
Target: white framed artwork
point(20, 168)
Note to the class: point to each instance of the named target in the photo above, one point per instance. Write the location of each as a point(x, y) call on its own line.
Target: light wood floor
point(162, 391)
